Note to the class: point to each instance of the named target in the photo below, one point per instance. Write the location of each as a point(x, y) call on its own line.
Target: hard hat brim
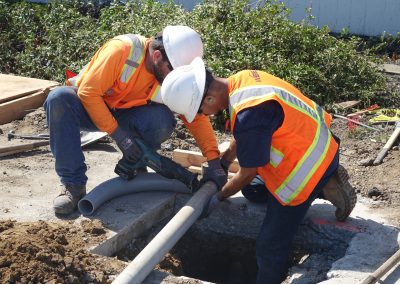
point(182, 90)
point(200, 81)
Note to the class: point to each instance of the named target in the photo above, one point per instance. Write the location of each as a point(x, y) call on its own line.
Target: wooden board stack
point(21, 95)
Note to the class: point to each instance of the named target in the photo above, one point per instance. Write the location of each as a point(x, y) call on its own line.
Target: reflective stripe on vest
point(256, 92)
point(135, 57)
point(312, 159)
point(275, 157)
point(156, 94)
point(133, 61)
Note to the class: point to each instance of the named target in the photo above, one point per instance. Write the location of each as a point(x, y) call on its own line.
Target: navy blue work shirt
point(253, 131)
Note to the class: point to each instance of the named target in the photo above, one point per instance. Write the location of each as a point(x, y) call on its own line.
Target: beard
point(158, 74)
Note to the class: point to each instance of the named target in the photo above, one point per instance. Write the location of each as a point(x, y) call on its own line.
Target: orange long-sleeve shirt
point(102, 74)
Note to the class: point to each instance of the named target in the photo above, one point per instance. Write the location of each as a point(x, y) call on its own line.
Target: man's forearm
point(238, 181)
point(230, 153)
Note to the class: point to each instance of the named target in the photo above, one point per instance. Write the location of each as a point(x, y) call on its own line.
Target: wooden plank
point(346, 105)
point(190, 158)
point(14, 87)
point(197, 170)
point(9, 150)
point(18, 108)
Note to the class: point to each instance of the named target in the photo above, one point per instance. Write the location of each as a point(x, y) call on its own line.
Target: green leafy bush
point(43, 40)
point(325, 68)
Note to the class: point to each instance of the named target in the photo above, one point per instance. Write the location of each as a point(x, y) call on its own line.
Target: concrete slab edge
point(366, 252)
point(135, 229)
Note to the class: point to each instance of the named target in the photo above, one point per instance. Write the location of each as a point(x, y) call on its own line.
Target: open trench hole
point(222, 247)
point(209, 256)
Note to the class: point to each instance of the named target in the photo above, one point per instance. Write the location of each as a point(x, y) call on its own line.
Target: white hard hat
point(182, 90)
point(182, 45)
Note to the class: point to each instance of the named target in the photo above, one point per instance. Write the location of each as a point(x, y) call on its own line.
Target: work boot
point(66, 201)
point(340, 193)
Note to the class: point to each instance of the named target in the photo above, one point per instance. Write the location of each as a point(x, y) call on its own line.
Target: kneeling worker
point(118, 93)
point(288, 156)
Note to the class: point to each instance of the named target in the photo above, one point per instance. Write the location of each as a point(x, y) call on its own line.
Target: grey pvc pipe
point(383, 269)
point(163, 242)
point(115, 187)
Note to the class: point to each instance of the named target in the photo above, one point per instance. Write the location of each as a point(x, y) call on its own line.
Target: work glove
point(210, 206)
point(225, 165)
point(126, 143)
point(215, 173)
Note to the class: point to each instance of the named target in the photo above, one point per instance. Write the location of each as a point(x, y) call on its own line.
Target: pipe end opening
point(85, 207)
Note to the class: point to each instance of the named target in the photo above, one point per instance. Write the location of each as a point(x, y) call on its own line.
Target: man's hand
point(210, 206)
point(127, 144)
point(215, 173)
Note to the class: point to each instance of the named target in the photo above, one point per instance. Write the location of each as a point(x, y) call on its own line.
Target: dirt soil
point(44, 252)
point(55, 252)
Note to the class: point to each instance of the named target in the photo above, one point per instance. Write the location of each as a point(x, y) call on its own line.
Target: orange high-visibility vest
point(135, 47)
point(301, 149)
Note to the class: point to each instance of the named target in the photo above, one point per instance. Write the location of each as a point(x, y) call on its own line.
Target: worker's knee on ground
point(255, 193)
point(57, 101)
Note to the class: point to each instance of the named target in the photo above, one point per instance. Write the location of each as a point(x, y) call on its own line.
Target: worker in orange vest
point(287, 154)
point(118, 92)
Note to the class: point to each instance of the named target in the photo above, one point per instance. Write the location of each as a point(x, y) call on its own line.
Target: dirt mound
point(43, 252)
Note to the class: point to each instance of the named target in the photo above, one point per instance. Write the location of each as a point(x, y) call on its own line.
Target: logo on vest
point(255, 76)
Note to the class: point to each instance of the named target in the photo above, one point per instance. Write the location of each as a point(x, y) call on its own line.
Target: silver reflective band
point(313, 157)
point(308, 164)
point(135, 56)
point(255, 92)
point(275, 157)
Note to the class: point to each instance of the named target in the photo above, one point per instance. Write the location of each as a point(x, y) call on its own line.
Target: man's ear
point(156, 56)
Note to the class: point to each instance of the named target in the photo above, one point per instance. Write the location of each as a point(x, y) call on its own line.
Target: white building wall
point(362, 17)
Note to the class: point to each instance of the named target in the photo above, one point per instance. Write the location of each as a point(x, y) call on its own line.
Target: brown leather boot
point(67, 200)
point(340, 193)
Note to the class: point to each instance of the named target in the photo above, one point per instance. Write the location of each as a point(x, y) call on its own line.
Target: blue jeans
point(279, 227)
point(66, 117)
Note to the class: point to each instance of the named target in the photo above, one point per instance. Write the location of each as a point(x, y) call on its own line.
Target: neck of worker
point(219, 90)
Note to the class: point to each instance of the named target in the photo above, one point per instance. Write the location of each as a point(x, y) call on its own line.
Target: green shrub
point(43, 40)
point(325, 68)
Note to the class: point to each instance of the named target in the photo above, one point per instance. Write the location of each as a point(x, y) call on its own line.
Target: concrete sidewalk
point(371, 240)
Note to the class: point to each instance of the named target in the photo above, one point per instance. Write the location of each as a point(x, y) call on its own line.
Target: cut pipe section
point(115, 187)
point(164, 241)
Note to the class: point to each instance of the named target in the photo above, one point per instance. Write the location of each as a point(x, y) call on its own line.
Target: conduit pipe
point(115, 187)
point(383, 269)
point(163, 242)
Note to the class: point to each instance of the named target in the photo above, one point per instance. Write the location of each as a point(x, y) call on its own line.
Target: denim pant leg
point(65, 117)
point(279, 227)
point(154, 123)
point(275, 239)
